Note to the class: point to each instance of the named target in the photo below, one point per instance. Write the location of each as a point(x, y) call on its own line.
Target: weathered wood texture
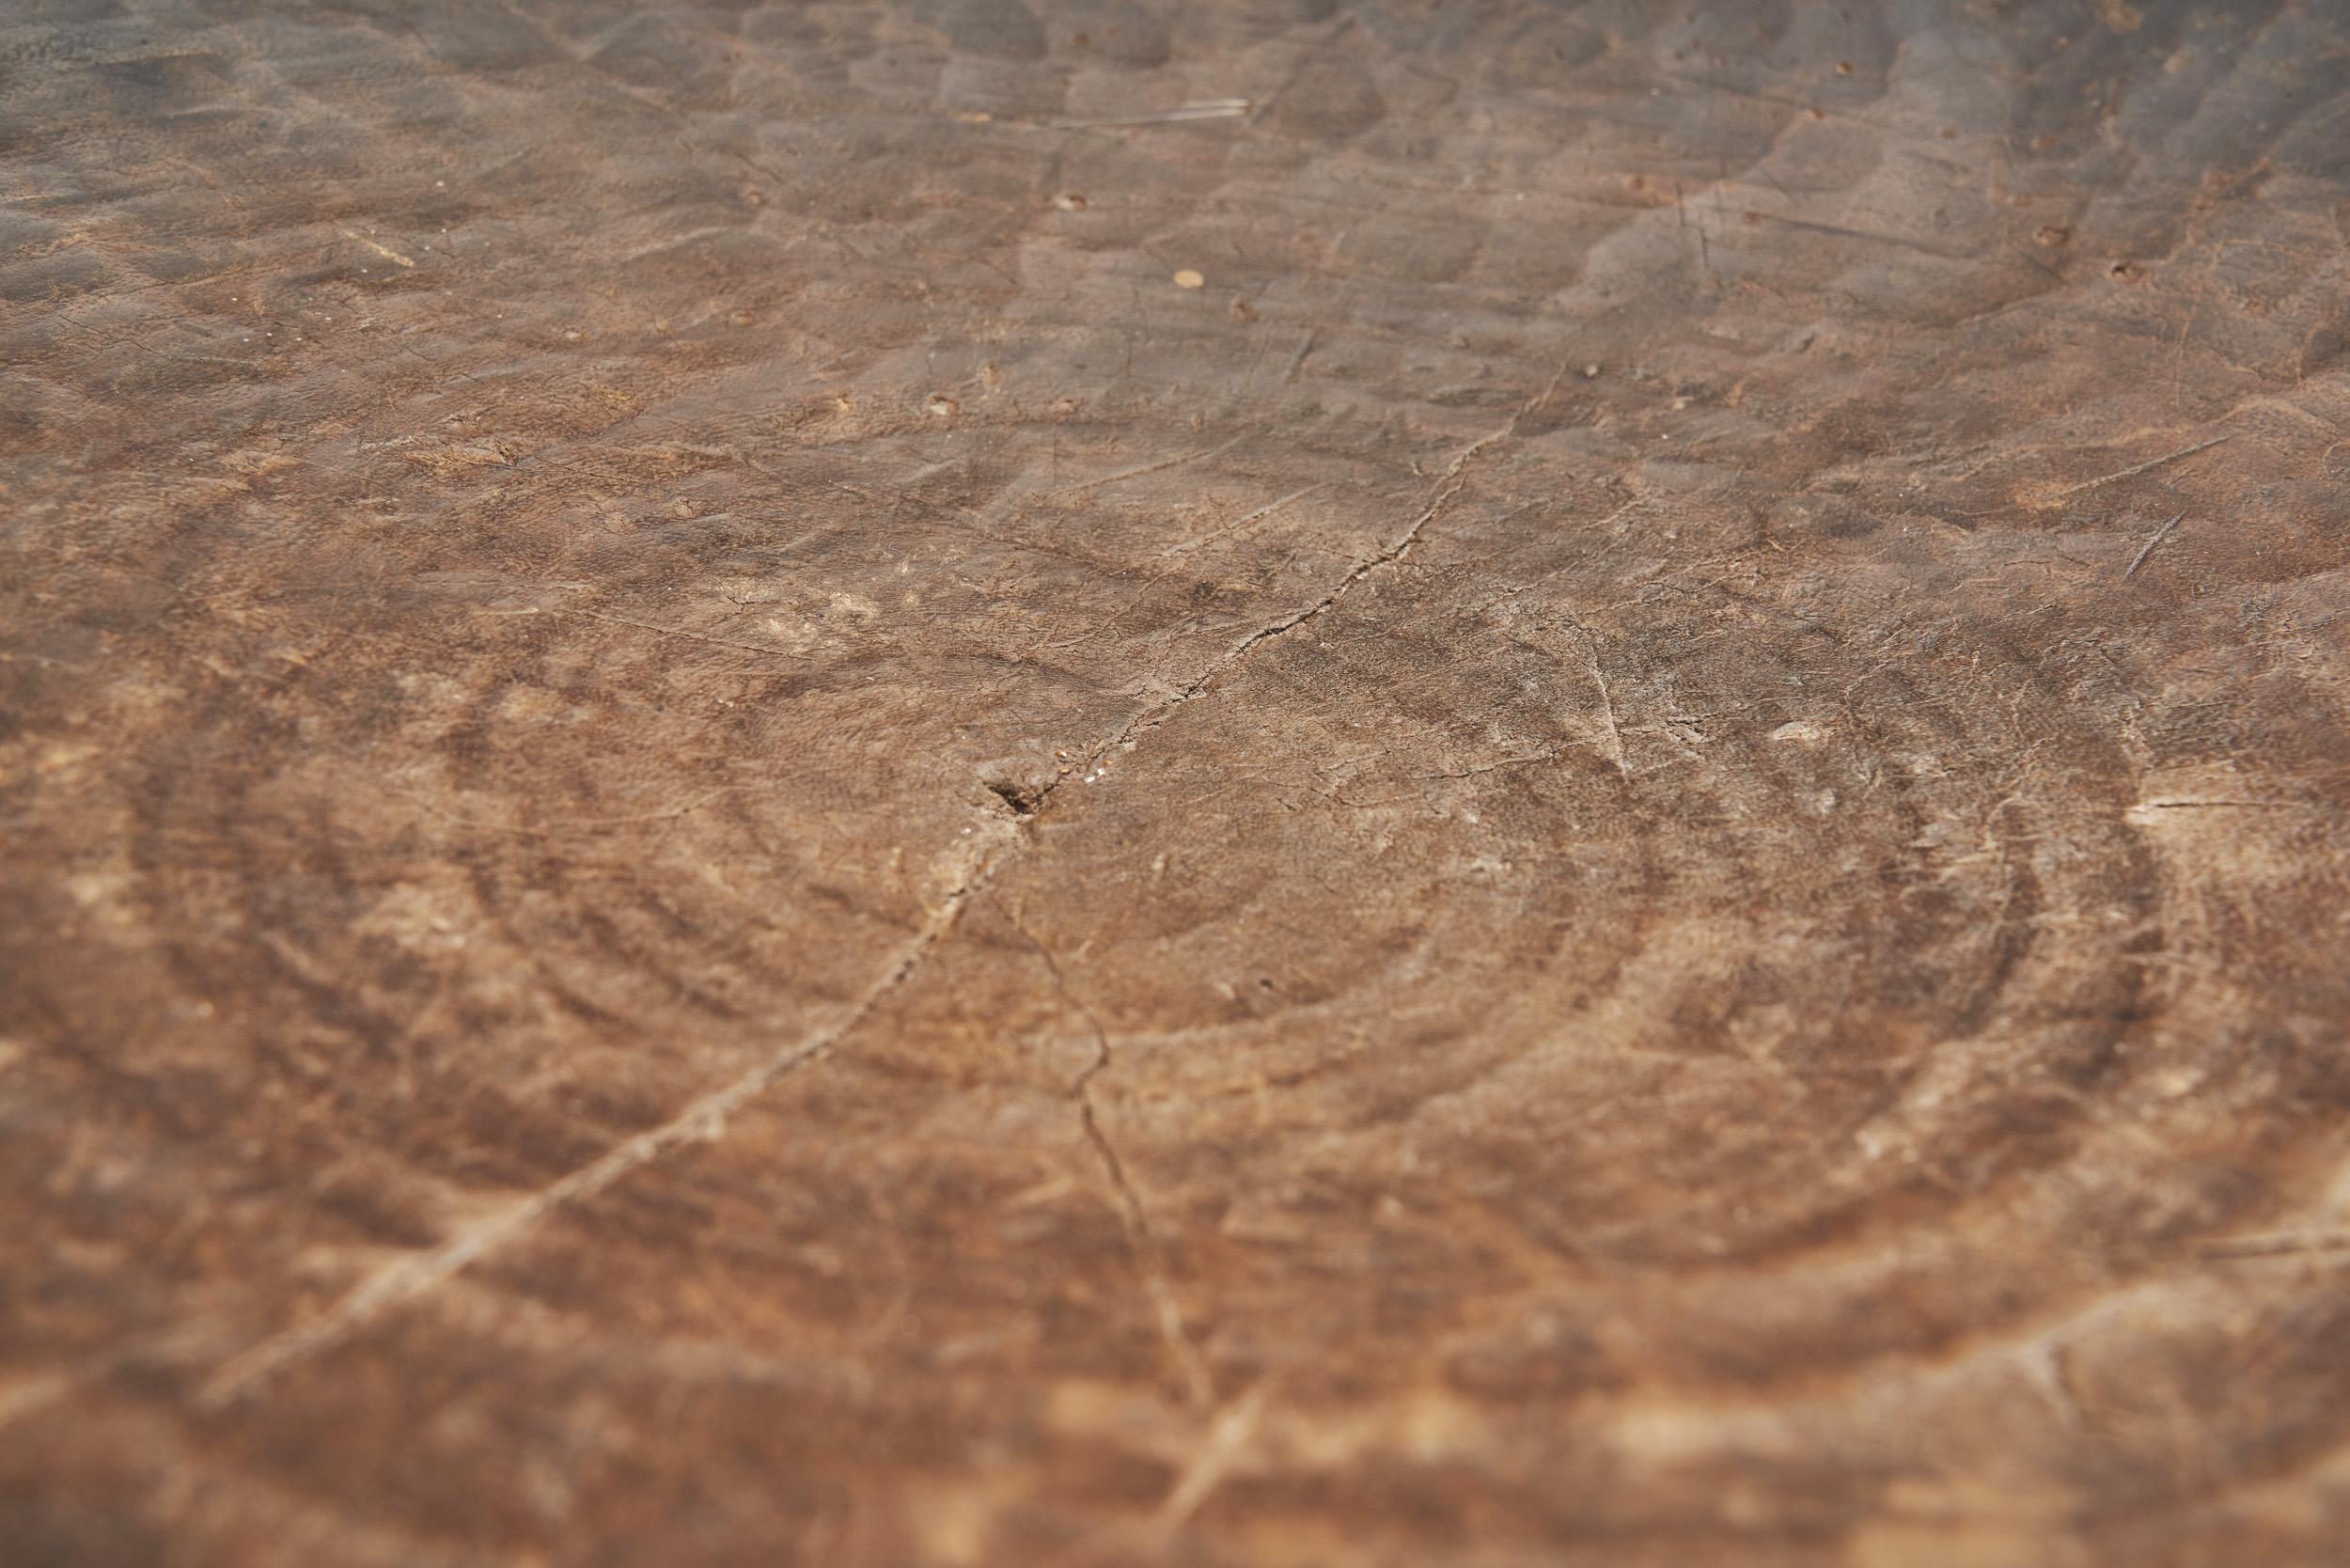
point(734, 837)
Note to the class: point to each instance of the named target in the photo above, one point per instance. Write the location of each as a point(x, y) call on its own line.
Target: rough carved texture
point(728, 842)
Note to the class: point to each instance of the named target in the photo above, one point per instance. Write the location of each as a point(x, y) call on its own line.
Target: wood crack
point(704, 1119)
point(417, 1274)
point(1142, 1243)
point(1449, 484)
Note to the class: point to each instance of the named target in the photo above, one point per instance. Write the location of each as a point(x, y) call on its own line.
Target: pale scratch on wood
point(1606, 706)
point(19, 1400)
point(2136, 469)
point(2283, 1245)
point(2148, 548)
point(384, 251)
point(1261, 513)
point(682, 633)
point(1614, 749)
point(1210, 108)
point(1228, 1437)
point(1297, 360)
point(1160, 466)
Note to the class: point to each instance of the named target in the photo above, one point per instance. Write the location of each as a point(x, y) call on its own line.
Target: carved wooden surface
point(1261, 783)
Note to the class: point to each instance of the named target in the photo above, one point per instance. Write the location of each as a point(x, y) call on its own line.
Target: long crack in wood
point(1142, 1243)
point(703, 1119)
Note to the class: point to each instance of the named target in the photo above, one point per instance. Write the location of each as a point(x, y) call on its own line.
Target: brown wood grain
point(1253, 783)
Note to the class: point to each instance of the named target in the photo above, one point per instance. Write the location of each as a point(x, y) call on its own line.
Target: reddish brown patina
point(1260, 783)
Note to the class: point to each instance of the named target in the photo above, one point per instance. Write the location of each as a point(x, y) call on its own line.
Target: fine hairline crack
point(1142, 1243)
point(1449, 484)
point(249, 1371)
point(703, 1119)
